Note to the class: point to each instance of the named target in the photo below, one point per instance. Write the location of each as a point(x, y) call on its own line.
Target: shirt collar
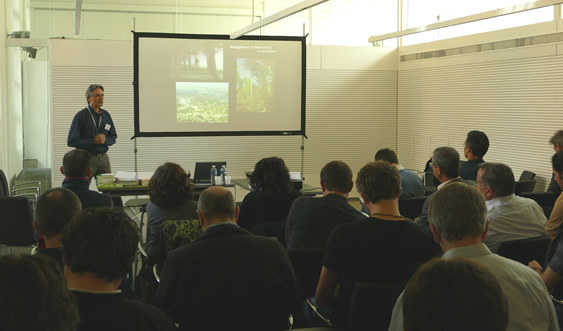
point(499, 200)
point(467, 251)
point(447, 182)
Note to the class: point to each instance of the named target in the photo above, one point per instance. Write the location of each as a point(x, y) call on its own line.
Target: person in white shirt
point(458, 221)
point(511, 217)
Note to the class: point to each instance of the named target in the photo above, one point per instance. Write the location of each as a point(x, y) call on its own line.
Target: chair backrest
point(522, 186)
point(4, 186)
point(176, 233)
point(411, 207)
point(307, 263)
point(372, 305)
point(525, 250)
point(16, 222)
point(546, 199)
point(527, 175)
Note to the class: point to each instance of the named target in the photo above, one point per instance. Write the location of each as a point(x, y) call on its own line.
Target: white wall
point(351, 110)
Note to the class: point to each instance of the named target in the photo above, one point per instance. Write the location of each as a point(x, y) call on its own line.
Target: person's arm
point(75, 132)
point(555, 219)
point(549, 276)
point(111, 134)
point(326, 291)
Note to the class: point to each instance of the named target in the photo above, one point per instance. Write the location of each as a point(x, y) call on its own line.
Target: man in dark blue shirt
point(475, 147)
point(92, 129)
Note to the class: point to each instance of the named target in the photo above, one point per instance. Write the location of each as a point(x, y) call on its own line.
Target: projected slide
point(190, 85)
point(202, 102)
point(255, 85)
point(198, 61)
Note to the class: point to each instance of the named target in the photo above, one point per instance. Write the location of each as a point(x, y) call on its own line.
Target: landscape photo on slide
point(202, 102)
point(255, 84)
point(198, 60)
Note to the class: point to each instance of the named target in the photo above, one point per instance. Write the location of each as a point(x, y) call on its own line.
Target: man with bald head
point(228, 279)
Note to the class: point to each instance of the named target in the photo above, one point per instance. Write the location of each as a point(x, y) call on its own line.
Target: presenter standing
point(92, 129)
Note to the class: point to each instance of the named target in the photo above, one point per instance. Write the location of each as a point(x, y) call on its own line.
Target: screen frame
point(139, 133)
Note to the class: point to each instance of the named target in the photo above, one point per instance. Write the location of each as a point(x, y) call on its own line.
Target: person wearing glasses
point(475, 147)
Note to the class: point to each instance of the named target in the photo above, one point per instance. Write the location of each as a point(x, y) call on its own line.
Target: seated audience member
point(556, 216)
point(458, 220)
point(510, 217)
point(76, 169)
point(228, 279)
point(554, 257)
point(311, 220)
point(34, 295)
point(456, 294)
point(475, 147)
point(270, 199)
point(445, 165)
point(411, 185)
point(557, 142)
point(99, 248)
point(171, 198)
point(55, 208)
point(384, 248)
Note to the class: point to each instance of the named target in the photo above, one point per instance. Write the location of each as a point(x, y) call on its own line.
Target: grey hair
point(458, 210)
point(447, 158)
point(217, 205)
point(499, 177)
point(91, 89)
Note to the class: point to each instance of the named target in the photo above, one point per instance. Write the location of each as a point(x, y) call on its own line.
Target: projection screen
point(209, 85)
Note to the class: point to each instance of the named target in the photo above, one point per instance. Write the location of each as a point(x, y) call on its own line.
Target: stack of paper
point(105, 179)
point(127, 178)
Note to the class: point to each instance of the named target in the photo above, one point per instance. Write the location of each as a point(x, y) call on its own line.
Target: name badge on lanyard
point(94, 121)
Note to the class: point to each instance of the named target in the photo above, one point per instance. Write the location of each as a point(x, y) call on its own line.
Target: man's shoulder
point(503, 267)
point(144, 316)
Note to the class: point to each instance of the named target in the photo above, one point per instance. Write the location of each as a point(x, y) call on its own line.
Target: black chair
point(546, 200)
point(16, 222)
point(522, 186)
point(372, 305)
point(526, 250)
point(4, 186)
point(307, 263)
point(527, 175)
point(411, 207)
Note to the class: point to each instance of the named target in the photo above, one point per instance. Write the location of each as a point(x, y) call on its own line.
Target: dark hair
point(102, 241)
point(454, 294)
point(217, 204)
point(386, 155)
point(337, 176)
point(557, 162)
point(557, 139)
point(499, 177)
point(91, 89)
point(56, 208)
point(76, 163)
point(35, 295)
point(478, 142)
point(458, 210)
point(271, 177)
point(170, 186)
point(447, 158)
point(379, 180)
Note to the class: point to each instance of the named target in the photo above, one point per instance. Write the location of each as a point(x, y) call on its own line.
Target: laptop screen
point(202, 172)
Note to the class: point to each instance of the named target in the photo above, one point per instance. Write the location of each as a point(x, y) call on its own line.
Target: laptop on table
point(202, 172)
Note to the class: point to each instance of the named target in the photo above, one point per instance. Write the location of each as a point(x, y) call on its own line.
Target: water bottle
point(213, 174)
point(223, 173)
